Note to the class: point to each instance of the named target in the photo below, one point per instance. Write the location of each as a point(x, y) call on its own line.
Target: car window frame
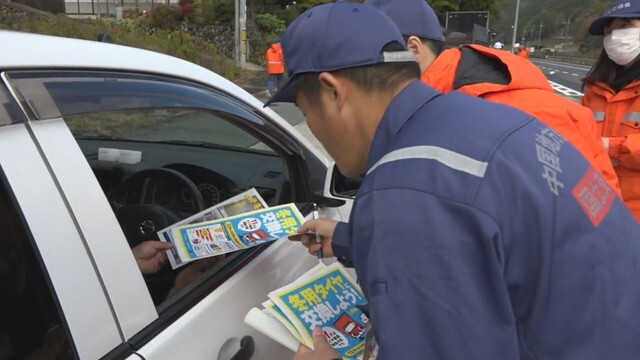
point(289, 150)
point(305, 164)
point(19, 156)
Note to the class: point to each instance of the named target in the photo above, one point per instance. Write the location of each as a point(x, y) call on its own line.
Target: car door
point(203, 320)
point(44, 258)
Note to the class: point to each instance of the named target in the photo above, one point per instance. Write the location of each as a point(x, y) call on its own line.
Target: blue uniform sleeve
point(433, 277)
point(341, 244)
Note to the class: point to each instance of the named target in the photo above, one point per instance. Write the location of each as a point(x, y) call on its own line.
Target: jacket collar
point(401, 109)
point(630, 91)
point(482, 64)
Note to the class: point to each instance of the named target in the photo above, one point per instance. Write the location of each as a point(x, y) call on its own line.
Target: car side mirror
point(339, 186)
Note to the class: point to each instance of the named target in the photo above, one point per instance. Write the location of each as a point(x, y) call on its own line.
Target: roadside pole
point(241, 39)
point(540, 33)
point(515, 27)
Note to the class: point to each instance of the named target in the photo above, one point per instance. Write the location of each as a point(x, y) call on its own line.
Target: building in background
point(109, 7)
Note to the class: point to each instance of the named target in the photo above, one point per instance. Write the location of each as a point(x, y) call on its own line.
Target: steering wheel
point(141, 221)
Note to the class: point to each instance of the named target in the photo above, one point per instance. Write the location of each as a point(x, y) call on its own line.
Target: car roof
point(22, 50)
point(28, 51)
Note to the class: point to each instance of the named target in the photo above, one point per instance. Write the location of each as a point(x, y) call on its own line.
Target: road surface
point(566, 79)
point(294, 116)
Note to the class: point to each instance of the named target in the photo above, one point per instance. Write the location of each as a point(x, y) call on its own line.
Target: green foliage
point(444, 5)
point(305, 5)
point(464, 5)
point(215, 12)
point(269, 26)
point(137, 32)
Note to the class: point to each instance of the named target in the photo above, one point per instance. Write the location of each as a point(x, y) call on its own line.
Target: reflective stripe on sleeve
point(632, 116)
point(446, 157)
point(599, 115)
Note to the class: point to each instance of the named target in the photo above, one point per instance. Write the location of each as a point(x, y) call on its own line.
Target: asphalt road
point(564, 78)
point(289, 112)
point(294, 116)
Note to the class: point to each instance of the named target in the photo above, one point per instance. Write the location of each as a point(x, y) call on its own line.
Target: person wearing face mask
point(612, 92)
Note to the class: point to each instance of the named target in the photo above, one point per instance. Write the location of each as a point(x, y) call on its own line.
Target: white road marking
point(564, 90)
point(583, 68)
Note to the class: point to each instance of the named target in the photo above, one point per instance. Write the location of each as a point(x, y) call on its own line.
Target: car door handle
point(247, 348)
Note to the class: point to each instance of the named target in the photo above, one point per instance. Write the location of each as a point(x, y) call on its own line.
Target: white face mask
point(623, 45)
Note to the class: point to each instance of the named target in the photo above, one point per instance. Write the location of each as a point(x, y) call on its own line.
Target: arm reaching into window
point(151, 256)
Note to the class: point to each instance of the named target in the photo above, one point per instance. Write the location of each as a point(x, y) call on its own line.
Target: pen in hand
point(318, 238)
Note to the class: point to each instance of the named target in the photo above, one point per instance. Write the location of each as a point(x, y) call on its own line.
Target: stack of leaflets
point(237, 223)
point(324, 297)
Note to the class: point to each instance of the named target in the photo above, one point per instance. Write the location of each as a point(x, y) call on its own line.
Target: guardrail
point(565, 59)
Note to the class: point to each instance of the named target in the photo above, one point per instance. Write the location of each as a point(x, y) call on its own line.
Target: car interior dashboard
point(217, 173)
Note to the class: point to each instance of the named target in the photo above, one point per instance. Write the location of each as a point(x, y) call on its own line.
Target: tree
point(215, 11)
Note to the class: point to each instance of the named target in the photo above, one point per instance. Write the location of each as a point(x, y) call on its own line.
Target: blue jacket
point(480, 233)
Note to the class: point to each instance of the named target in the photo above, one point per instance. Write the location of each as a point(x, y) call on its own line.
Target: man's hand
point(322, 350)
point(322, 227)
point(150, 255)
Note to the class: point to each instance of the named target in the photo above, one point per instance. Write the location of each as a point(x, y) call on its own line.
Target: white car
point(185, 139)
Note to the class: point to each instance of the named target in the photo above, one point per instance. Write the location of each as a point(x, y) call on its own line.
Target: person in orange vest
point(612, 92)
point(523, 52)
point(494, 75)
point(275, 67)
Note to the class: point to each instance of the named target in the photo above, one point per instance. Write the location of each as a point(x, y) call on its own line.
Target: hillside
point(563, 21)
point(179, 42)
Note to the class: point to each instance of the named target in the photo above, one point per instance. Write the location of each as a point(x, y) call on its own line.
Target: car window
point(30, 324)
point(9, 111)
point(163, 125)
point(217, 145)
point(197, 143)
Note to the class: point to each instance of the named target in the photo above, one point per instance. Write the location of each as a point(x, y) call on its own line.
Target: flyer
point(217, 237)
point(246, 201)
point(324, 297)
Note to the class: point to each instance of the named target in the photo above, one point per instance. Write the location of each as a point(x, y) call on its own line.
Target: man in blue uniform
point(478, 232)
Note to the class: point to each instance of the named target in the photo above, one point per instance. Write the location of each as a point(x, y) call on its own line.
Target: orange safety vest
point(530, 91)
point(275, 59)
point(524, 53)
point(617, 117)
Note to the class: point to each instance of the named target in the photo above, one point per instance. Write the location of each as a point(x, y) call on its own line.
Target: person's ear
point(334, 88)
point(423, 54)
point(414, 44)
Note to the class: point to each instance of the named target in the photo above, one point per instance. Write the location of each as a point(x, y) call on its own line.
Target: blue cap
point(619, 9)
point(337, 36)
point(413, 17)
